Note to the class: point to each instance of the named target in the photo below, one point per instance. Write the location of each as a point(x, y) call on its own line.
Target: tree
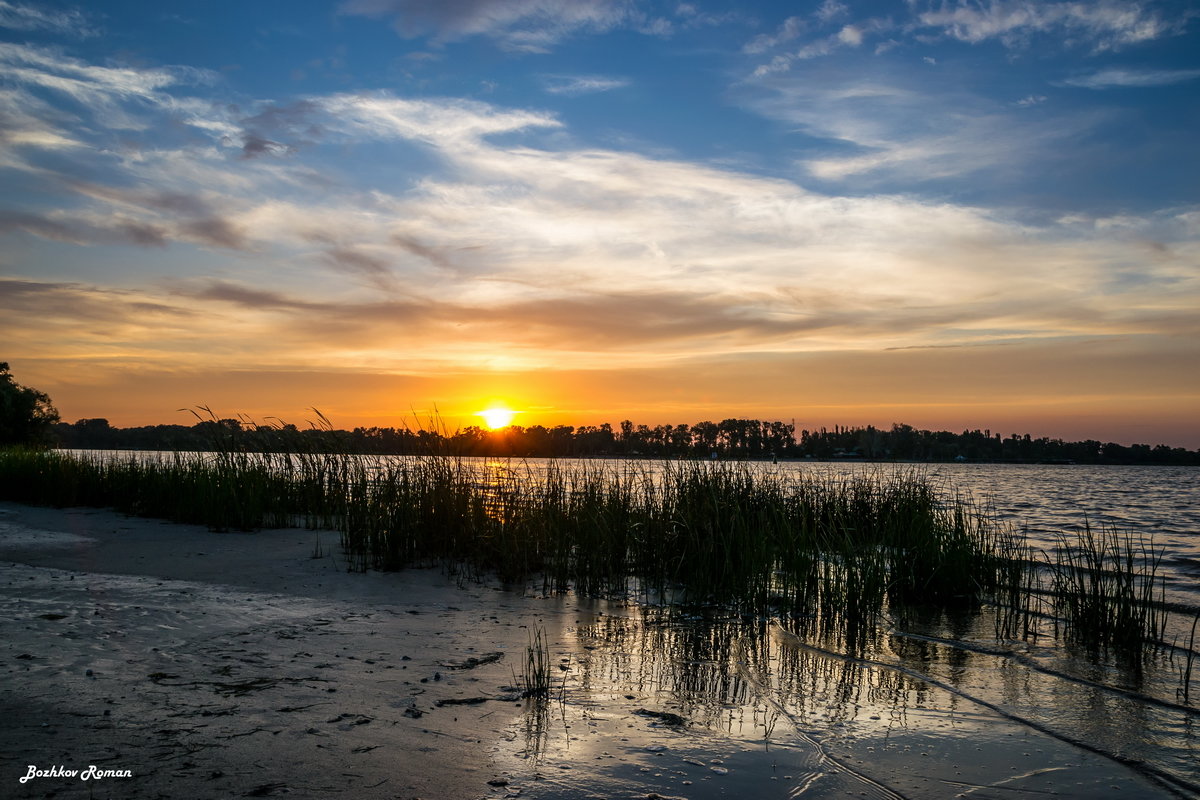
point(26, 415)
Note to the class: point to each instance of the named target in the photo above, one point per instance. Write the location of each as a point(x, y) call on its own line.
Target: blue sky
point(977, 214)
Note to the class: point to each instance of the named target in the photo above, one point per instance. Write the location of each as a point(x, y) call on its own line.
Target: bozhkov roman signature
point(92, 773)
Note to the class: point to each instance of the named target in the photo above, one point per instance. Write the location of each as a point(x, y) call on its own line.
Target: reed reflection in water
point(929, 709)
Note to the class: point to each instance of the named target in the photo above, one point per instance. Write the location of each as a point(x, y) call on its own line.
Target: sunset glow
point(497, 417)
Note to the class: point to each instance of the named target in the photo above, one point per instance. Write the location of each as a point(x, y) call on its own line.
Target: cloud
point(791, 29)
point(850, 35)
point(216, 231)
point(830, 10)
point(688, 16)
point(254, 146)
point(435, 255)
point(296, 122)
point(887, 131)
point(50, 69)
point(847, 36)
point(524, 25)
point(502, 245)
point(380, 115)
point(1104, 25)
point(91, 228)
point(144, 198)
point(40, 226)
point(1101, 25)
point(21, 17)
point(1125, 78)
point(356, 262)
point(115, 229)
point(68, 319)
point(227, 292)
point(115, 97)
point(575, 85)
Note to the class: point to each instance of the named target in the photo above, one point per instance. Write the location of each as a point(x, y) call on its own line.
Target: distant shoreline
point(729, 440)
point(754, 459)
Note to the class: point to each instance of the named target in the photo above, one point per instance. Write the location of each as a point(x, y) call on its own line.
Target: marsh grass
point(690, 532)
point(1107, 590)
point(1185, 671)
point(535, 680)
point(831, 553)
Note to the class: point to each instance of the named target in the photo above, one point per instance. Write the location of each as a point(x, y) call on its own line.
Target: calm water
point(931, 706)
point(1161, 503)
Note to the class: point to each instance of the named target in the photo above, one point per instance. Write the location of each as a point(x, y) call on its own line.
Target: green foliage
point(26, 415)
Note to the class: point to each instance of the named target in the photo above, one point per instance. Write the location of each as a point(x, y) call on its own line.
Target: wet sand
point(239, 665)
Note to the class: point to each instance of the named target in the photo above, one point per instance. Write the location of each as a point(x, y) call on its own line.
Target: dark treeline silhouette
point(26, 415)
point(729, 438)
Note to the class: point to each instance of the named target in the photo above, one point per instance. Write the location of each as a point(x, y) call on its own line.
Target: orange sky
point(1065, 391)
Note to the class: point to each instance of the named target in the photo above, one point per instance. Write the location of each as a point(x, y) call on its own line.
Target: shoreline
point(236, 664)
point(640, 457)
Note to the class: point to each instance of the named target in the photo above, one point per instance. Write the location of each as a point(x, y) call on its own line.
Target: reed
point(1185, 672)
point(832, 553)
point(1106, 588)
point(535, 680)
point(700, 532)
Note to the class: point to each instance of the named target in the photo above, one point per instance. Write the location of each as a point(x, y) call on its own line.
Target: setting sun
point(497, 416)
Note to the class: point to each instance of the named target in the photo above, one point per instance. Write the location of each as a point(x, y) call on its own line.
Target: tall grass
point(1106, 589)
point(832, 553)
point(535, 680)
point(689, 532)
point(224, 491)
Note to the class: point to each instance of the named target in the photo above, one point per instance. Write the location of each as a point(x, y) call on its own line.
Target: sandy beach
point(225, 665)
point(180, 662)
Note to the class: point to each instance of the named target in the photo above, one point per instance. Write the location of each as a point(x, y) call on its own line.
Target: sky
point(953, 215)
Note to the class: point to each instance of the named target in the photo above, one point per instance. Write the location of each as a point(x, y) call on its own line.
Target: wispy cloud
point(51, 69)
point(83, 320)
point(1098, 25)
point(114, 96)
point(523, 25)
point(1102, 25)
point(382, 115)
point(850, 35)
point(883, 132)
point(575, 85)
point(1127, 78)
point(791, 29)
point(22, 17)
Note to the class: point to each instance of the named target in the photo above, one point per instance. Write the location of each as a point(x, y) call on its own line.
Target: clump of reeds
point(1185, 671)
point(835, 551)
point(1107, 589)
point(535, 680)
point(700, 532)
point(224, 488)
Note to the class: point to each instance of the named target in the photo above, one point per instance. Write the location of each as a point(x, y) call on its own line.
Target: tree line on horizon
point(727, 439)
point(28, 418)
